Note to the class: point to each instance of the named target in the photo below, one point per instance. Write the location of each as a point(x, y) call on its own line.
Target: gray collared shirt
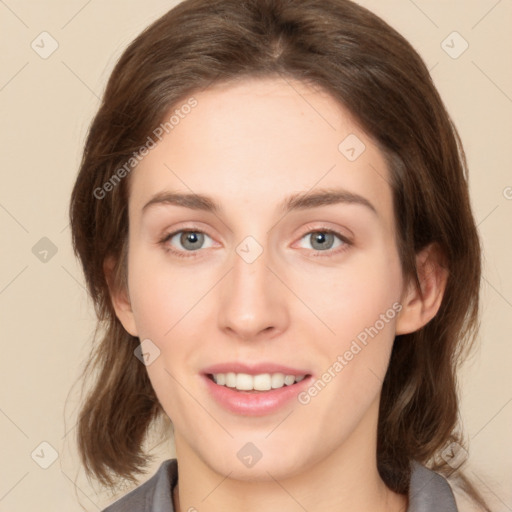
point(428, 492)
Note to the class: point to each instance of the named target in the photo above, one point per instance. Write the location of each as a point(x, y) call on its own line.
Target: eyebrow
point(300, 201)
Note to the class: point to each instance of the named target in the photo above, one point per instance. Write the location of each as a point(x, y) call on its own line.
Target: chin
point(248, 461)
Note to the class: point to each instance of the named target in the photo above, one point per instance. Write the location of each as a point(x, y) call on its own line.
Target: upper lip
point(254, 369)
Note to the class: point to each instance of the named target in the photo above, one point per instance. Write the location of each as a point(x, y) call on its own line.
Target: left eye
point(323, 240)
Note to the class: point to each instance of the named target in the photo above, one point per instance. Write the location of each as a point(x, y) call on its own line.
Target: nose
point(253, 299)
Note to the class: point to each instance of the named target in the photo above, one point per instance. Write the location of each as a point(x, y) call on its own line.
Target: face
point(295, 272)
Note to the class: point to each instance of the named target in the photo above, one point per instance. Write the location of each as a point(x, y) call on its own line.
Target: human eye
point(190, 239)
point(323, 239)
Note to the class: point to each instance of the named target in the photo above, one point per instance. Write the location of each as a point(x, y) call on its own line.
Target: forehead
point(251, 143)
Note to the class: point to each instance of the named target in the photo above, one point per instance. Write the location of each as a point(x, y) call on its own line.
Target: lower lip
point(258, 403)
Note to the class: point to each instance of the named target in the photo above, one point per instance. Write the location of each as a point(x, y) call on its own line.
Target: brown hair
point(375, 73)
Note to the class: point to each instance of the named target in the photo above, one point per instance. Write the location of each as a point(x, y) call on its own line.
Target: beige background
point(46, 318)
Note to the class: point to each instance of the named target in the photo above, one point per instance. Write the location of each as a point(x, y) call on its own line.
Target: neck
point(346, 480)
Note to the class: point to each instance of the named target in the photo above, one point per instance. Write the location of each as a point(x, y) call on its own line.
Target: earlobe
point(420, 306)
point(119, 297)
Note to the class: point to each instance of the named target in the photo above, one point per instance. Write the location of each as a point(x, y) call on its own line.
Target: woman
point(273, 217)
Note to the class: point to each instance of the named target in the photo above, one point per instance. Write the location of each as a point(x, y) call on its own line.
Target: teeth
point(260, 382)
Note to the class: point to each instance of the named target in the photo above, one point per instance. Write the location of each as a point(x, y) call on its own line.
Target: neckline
point(427, 490)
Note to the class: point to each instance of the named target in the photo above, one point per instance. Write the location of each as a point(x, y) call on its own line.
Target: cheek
point(367, 324)
point(161, 295)
point(164, 303)
point(353, 296)
point(360, 305)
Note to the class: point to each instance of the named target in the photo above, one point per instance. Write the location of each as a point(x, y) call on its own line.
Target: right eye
point(190, 239)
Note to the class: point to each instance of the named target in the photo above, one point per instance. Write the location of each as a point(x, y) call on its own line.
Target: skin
point(249, 145)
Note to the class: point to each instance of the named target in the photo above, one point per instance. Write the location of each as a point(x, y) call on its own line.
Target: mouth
point(259, 383)
point(256, 390)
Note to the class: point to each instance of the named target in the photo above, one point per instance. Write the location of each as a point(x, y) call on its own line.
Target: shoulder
point(152, 495)
point(429, 491)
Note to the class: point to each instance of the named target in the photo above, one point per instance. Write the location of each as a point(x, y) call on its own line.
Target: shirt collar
point(428, 490)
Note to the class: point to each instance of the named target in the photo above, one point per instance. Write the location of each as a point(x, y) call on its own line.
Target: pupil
point(321, 238)
point(188, 239)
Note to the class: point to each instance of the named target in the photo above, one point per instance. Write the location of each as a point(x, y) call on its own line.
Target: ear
point(419, 308)
point(119, 296)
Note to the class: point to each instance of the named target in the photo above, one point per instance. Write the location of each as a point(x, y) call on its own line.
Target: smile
point(244, 398)
point(259, 382)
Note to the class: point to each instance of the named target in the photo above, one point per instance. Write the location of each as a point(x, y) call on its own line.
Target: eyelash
point(192, 254)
